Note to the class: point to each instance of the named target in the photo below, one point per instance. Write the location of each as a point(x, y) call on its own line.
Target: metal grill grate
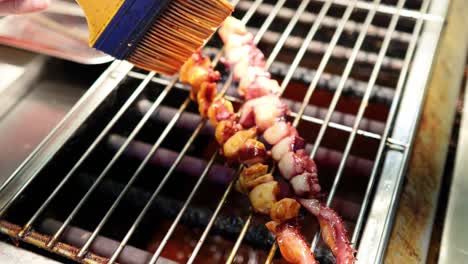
point(365, 52)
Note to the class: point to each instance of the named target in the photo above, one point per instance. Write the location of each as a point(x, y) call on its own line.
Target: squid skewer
point(263, 113)
point(265, 110)
point(239, 144)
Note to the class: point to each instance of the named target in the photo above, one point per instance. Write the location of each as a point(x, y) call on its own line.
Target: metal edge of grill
point(394, 164)
point(381, 215)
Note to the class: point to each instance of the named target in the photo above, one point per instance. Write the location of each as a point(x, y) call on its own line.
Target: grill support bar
point(391, 142)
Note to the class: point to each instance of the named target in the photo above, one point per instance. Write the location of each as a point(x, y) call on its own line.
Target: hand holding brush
point(22, 6)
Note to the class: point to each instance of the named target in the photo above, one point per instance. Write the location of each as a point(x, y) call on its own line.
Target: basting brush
point(158, 35)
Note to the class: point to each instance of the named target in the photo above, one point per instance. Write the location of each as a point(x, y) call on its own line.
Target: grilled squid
point(264, 110)
point(240, 144)
point(333, 231)
point(291, 243)
point(274, 134)
point(198, 71)
point(263, 114)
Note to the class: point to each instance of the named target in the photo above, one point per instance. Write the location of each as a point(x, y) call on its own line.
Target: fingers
point(22, 6)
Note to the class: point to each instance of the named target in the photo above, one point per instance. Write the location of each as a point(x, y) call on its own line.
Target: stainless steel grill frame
point(377, 210)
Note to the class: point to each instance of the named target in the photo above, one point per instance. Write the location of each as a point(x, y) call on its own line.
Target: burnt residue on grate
point(195, 217)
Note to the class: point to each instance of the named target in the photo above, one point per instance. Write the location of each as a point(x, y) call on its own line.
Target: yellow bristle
point(180, 31)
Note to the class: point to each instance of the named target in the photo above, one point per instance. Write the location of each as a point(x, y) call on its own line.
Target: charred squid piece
point(196, 61)
point(263, 193)
point(264, 196)
point(299, 169)
point(238, 48)
point(256, 57)
point(263, 112)
point(253, 176)
point(251, 58)
point(306, 185)
point(256, 82)
point(285, 210)
point(220, 110)
point(291, 243)
point(241, 67)
point(262, 86)
point(246, 82)
point(231, 26)
point(205, 97)
point(198, 76)
point(225, 130)
point(234, 41)
point(333, 231)
point(286, 145)
point(196, 71)
point(237, 142)
point(253, 151)
point(247, 60)
point(278, 131)
point(295, 163)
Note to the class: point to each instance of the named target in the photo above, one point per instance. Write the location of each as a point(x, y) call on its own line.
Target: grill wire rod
point(362, 109)
point(390, 120)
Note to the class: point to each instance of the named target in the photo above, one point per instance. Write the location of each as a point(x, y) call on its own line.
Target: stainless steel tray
point(60, 32)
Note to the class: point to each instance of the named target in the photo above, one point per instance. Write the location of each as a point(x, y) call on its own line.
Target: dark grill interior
point(176, 111)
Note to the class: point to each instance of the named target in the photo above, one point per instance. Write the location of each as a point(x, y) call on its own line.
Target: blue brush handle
point(128, 26)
